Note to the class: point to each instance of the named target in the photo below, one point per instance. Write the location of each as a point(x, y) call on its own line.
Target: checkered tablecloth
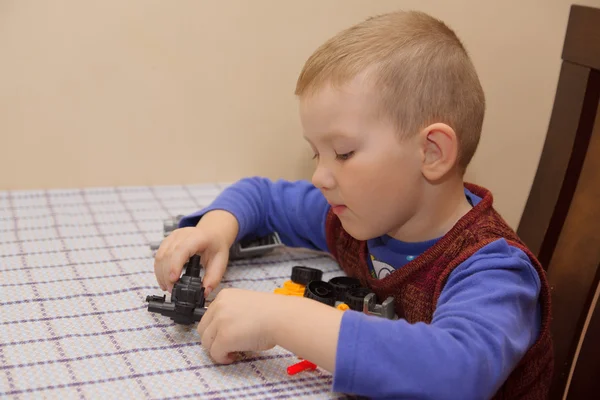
point(75, 270)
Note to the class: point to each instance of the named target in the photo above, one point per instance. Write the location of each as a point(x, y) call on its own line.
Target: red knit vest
point(416, 286)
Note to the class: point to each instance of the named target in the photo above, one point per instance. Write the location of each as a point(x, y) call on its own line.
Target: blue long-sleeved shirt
point(486, 318)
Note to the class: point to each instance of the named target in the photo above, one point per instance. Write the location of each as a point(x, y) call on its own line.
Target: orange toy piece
point(301, 276)
point(291, 288)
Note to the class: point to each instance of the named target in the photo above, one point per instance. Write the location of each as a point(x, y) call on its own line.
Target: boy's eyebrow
point(331, 135)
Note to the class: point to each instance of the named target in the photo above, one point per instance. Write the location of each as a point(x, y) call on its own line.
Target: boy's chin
point(359, 233)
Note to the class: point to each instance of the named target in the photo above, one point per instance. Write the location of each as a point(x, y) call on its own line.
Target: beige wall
point(125, 92)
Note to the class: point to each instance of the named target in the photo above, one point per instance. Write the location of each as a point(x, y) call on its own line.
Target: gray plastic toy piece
point(240, 250)
point(170, 224)
point(385, 309)
point(255, 248)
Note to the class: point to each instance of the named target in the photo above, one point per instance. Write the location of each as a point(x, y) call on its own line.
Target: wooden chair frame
point(561, 219)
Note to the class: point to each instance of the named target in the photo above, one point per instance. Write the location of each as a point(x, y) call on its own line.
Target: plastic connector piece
point(249, 248)
point(170, 224)
point(384, 310)
point(341, 284)
point(303, 275)
point(245, 248)
point(303, 365)
point(187, 297)
point(320, 291)
point(291, 289)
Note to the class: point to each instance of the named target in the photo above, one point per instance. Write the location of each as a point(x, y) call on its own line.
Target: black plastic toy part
point(187, 296)
point(320, 291)
point(355, 298)
point(303, 275)
point(341, 284)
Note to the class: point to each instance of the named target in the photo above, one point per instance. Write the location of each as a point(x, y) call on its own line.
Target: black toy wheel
point(320, 291)
point(355, 297)
point(303, 275)
point(341, 284)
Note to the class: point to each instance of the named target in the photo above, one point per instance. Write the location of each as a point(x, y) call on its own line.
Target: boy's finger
point(214, 271)
point(180, 252)
point(164, 258)
point(158, 274)
point(221, 352)
point(173, 267)
point(204, 326)
point(159, 262)
point(208, 336)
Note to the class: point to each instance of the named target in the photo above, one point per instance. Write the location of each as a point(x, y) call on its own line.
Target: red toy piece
point(303, 365)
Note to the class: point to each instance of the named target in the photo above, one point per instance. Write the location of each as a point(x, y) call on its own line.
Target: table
point(75, 270)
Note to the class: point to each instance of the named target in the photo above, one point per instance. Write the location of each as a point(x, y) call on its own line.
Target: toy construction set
point(188, 304)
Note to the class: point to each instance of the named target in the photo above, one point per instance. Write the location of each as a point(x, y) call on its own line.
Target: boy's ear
point(439, 149)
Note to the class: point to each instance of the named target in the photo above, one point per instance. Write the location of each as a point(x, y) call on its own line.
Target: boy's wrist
point(306, 328)
point(278, 317)
point(222, 222)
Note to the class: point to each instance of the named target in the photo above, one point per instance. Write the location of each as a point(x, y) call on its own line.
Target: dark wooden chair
point(561, 219)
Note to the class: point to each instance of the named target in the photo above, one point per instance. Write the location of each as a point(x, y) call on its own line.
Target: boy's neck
point(442, 206)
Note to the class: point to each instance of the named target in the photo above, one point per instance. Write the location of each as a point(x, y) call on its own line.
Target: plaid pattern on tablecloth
point(75, 270)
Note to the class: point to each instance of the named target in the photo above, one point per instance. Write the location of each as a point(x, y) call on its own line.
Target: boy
point(393, 110)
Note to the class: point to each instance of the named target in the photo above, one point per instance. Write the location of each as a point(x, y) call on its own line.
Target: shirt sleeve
point(296, 210)
point(487, 317)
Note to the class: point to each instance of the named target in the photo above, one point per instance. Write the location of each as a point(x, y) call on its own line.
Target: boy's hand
point(239, 320)
point(242, 320)
point(212, 238)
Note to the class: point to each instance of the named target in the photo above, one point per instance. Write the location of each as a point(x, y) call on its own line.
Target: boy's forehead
point(355, 89)
point(336, 111)
point(327, 122)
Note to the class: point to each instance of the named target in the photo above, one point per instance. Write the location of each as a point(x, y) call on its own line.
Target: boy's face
point(361, 164)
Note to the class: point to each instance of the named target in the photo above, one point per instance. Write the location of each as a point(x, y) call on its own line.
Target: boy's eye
point(344, 156)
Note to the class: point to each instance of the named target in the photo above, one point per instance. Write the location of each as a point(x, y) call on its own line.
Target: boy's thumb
point(214, 271)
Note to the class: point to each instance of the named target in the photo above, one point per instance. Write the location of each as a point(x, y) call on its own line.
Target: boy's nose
point(322, 178)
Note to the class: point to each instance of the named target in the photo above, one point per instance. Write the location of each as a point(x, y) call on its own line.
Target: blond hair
point(421, 72)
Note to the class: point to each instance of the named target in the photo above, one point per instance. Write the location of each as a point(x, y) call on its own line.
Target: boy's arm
point(310, 330)
point(486, 318)
point(296, 210)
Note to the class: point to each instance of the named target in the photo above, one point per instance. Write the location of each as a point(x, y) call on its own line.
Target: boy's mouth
point(338, 208)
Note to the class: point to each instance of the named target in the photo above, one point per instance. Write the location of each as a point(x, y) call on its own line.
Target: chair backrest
point(561, 219)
